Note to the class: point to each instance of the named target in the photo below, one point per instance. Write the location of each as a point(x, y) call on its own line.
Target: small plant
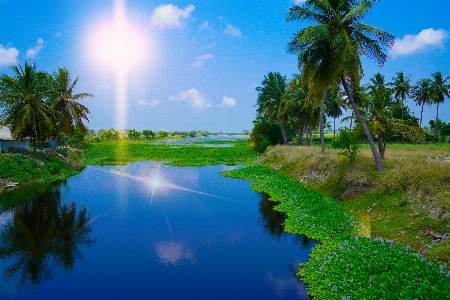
point(347, 141)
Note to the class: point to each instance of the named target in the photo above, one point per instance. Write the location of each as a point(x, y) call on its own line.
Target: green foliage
point(23, 168)
point(373, 268)
point(134, 134)
point(116, 153)
point(148, 134)
point(348, 142)
point(264, 134)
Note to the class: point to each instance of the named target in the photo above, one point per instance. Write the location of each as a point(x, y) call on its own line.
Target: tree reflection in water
point(42, 235)
point(271, 219)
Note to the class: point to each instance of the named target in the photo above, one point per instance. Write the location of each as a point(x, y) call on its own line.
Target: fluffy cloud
point(233, 31)
point(193, 96)
point(8, 56)
point(31, 53)
point(425, 39)
point(201, 60)
point(170, 16)
point(299, 2)
point(150, 103)
point(228, 102)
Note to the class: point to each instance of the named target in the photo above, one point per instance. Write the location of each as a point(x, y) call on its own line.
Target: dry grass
point(409, 202)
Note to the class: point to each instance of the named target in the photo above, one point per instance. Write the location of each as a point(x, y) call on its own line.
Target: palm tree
point(71, 113)
point(401, 87)
point(422, 94)
point(23, 99)
point(335, 103)
point(331, 49)
point(269, 102)
point(440, 91)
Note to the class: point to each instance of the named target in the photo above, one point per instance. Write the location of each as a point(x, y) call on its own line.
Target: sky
point(194, 65)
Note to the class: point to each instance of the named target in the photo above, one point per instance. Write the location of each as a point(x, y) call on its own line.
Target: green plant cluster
point(24, 169)
point(373, 268)
point(318, 218)
point(117, 153)
point(348, 143)
point(345, 266)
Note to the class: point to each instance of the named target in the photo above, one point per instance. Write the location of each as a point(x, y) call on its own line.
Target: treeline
point(39, 106)
point(329, 57)
point(112, 134)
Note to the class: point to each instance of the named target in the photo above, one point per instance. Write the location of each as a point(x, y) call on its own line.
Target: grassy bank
point(408, 203)
point(23, 168)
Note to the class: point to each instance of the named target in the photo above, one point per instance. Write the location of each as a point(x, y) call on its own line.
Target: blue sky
point(195, 64)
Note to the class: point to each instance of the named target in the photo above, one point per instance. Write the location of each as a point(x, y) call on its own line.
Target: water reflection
point(41, 234)
point(271, 219)
point(173, 253)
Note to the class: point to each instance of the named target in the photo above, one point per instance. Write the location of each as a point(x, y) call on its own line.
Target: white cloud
point(58, 35)
point(209, 105)
point(201, 60)
point(150, 103)
point(233, 31)
point(170, 16)
point(205, 26)
point(8, 56)
point(412, 43)
point(299, 2)
point(31, 53)
point(228, 102)
point(193, 96)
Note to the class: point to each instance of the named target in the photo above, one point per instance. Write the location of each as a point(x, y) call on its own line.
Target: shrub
point(348, 143)
point(265, 133)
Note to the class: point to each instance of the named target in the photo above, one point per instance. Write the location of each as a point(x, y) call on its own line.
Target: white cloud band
point(8, 56)
point(425, 39)
point(170, 16)
point(31, 53)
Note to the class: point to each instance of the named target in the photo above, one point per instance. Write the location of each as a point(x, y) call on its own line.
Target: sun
point(118, 44)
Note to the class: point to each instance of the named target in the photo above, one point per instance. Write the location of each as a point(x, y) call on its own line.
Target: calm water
point(117, 233)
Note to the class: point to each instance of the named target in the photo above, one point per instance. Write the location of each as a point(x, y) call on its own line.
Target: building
point(7, 142)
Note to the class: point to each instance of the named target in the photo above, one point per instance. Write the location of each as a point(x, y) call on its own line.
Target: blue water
point(118, 233)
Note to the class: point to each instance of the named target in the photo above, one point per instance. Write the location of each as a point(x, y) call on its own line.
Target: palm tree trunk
point(381, 144)
point(436, 125)
point(421, 114)
point(376, 156)
point(283, 131)
point(322, 109)
point(402, 122)
point(351, 121)
point(334, 128)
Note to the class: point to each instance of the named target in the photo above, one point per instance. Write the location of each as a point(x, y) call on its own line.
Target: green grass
point(24, 168)
point(118, 153)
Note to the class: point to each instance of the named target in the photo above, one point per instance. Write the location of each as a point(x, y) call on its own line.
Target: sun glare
point(118, 44)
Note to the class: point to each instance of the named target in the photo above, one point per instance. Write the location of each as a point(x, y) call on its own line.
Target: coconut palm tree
point(330, 49)
point(401, 88)
point(70, 112)
point(270, 102)
point(422, 94)
point(24, 101)
point(440, 91)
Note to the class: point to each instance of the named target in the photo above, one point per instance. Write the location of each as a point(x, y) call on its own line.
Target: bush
point(348, 143)
point(265, 133)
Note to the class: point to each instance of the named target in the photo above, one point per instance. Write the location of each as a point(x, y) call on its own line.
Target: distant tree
point(134, 134)
point(422, 94)
point(192, 133)
point(245, 132)
point(148, 134)
point(162, 134)
point(440, 91)
point(335, 102)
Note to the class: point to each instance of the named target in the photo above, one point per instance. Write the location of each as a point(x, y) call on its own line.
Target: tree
point(422, 94)
point(25, 109)
point(264, 133)
point(331, 48)
point(134, 134)
point(440, 91)
point(148, 134)
point(70, 112)
point(269, 103)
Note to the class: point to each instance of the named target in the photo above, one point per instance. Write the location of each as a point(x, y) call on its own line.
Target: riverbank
point(408, 203)
point(23, 168)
